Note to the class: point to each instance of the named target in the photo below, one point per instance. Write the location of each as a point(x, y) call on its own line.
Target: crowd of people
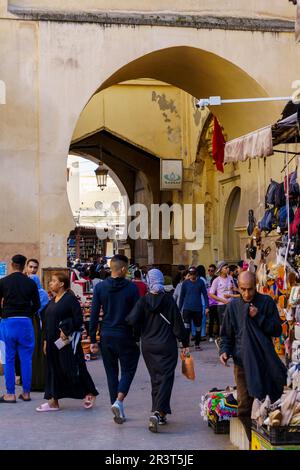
point(131, 306)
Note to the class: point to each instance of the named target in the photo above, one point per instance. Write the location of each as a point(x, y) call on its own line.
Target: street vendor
point(246, 335)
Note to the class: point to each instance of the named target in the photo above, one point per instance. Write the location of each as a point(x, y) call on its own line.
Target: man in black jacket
point(20, 301)
point(246, 336)
point(117, 296)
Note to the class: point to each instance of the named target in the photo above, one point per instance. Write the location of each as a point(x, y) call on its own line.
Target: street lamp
point(101, 172)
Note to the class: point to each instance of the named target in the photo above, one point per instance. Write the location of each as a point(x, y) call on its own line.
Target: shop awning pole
point(286, 163)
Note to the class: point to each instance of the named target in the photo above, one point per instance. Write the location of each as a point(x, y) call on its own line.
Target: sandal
point(89, 401)
point(21, 397)
point(46, 407)
point(2, 400)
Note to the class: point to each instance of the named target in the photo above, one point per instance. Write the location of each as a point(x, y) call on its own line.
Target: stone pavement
point(76, 428)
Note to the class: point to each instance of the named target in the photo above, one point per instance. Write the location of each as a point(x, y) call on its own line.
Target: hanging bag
point(187, 366)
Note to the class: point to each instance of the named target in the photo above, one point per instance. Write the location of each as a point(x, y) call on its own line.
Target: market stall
point(278, 273)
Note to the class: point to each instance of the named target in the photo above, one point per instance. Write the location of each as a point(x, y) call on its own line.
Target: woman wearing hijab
point(67, 375)
point(38, 358)
point(157, 318)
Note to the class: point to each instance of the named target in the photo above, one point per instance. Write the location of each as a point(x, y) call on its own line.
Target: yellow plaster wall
point(159, 118)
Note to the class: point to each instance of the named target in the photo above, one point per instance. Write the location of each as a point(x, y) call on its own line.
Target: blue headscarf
point(155, 281)
point(44, 299)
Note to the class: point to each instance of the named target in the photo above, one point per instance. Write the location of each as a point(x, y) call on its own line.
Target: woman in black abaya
point(157, 318)
point(67, 375)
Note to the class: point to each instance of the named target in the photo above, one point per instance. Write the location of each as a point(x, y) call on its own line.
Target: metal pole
point(253, 100)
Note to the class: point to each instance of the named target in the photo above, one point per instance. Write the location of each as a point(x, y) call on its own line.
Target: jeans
point(115, 350)
point(188, 316)
point(18, 336)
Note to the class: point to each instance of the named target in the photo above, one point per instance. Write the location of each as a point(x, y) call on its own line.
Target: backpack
point(270, 194)
point(268, 222)
point(296, 222)
point(280, 199)
point(294, 189)
point(282, 217)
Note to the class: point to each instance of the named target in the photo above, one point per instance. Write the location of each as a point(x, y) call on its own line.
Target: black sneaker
point(153, 422)
point(162, 420)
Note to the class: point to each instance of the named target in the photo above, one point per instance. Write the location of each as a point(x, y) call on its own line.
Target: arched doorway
point(231, 237)
point(128, 156)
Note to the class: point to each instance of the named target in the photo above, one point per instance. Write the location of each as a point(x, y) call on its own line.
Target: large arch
point(201, 74)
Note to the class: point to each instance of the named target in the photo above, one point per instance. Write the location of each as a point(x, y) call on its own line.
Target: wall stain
point(169, 108)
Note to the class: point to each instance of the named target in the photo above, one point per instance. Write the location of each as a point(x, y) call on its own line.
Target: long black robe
point(66, 375)
point(159, 345)
point(249, 341)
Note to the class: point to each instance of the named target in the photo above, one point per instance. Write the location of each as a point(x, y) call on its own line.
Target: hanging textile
point(218, 145)
point(253, 145)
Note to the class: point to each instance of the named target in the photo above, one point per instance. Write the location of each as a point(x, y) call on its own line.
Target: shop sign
point(170, 175)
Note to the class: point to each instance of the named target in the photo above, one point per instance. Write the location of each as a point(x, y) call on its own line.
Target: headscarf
point(44, 299)
point(155, 281)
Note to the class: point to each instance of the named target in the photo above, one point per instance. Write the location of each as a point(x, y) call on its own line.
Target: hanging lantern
point(101, 173)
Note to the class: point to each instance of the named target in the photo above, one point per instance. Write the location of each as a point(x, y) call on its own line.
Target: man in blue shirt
point(117, 296)
point(191, 303)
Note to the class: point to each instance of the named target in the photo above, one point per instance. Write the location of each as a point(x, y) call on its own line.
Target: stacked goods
point(278, 422)
point(86, 341)
point(218, 407)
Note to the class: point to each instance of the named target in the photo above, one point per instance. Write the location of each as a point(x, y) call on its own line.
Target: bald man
point(246, 335)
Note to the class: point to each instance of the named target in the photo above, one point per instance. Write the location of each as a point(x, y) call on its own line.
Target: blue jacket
point(192, 294)
point(117, 296)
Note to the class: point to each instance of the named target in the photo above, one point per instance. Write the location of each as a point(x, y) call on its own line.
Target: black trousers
point(188, 316)
point(119, 353)
point(213, 318)
point(221, 312)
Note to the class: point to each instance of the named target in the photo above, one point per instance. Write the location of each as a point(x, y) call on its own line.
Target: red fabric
point(141, 287)
point(218, 146)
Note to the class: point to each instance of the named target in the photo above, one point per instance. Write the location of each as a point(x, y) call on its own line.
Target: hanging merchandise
point(251, 222)
point(269, 221)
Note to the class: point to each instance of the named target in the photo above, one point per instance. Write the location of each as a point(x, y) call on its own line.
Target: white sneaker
point(118, 411)
point(211, 340)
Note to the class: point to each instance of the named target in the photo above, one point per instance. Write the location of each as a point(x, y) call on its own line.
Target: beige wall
point(51, 71)
point(267, 8)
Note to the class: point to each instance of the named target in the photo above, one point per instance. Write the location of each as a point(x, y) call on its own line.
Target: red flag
point(218, 146)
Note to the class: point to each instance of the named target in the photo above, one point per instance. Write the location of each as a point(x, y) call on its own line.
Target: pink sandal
point(46, 407)
point(89, 401)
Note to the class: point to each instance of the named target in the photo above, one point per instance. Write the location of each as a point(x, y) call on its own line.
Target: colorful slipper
point(21, 397)
point(2, 400)
point(89, 401)
point(46, 407)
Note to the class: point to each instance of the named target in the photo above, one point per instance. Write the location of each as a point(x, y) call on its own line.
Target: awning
point(260, 143)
